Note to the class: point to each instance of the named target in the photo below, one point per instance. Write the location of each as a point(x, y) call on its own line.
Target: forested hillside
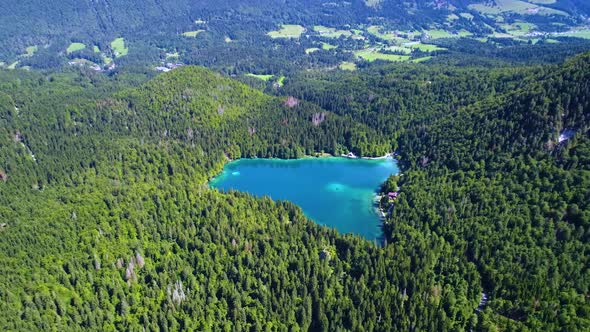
point(277, 37)
point(496, 165)
point(499, 183)
point(101, 21)
point(106, 221)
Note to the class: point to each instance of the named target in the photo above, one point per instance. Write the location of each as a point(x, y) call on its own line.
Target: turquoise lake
point(336, 192)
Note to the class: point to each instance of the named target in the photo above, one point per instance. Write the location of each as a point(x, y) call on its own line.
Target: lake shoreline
point(349, 155)
point(344, 182)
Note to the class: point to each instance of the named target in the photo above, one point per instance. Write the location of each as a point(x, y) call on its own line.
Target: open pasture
point(331, 32)
point(287, 31)
point(75, 47)
point(118, 46)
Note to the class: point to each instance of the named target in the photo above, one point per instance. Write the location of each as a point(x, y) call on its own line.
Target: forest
point(107, 222)
point(485, 169)
point(231, 36)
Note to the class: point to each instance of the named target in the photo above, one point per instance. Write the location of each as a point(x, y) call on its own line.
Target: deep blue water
point(336, 192)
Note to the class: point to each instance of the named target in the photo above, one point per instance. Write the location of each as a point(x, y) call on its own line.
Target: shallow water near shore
point(336, 192)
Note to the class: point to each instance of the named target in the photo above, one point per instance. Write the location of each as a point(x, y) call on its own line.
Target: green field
point(375, 30)
point(427, 47)
point(452, 17)
point(287, 31)
point(74, 47)
point(439, 33)
point(347, 66)
point(357, 34)
point(581, 33)
point(118, 45)
point(31, 50)
point(466, 16)
point(13, 65)
point(172, 55)
point(192, 34)
point(373, 55)
point(515, 6)
point(518, 29)
point(464, 33)
point(311, 50)
point(331, 32)
point(485, 9)
point(281, 80)
point(501, 35)
point(327, 47)
point(260, 77)
point(96, 49)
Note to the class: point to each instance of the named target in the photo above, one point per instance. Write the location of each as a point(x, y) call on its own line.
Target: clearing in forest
point(31, 50)
point(378, 32)
point(118, 45)
point(192, 34)
point(260, 77)
point(577, 33)
point(327, 47)
point(516, 6)
point(370, 54)
point(287, 31)
point(74, 47)
point(518, 29)
point(427, 47)
point(351, 66)
point(331, 32)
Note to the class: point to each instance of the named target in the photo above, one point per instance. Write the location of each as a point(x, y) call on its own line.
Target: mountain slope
point(107, 223)
point(498, 183)
point(155, 25)
point(495, 165)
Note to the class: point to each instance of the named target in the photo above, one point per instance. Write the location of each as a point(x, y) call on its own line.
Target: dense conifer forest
point(107, 221)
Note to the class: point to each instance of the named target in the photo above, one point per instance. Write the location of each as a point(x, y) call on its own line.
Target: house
point(350, 155)
point(392, 195)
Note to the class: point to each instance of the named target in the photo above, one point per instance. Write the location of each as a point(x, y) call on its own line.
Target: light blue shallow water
point(336, 192)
